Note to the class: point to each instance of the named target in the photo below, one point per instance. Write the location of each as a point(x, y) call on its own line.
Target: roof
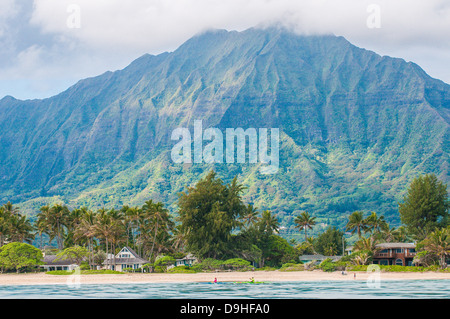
point(135, 254)
point(121, 261)
point(50, 260)
point(188, 257)
point(118, 260)
point(396, 245)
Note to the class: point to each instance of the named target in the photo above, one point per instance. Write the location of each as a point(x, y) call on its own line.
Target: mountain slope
point(355, 127)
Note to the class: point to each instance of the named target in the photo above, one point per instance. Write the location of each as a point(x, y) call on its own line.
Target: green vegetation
point(217, 227)
point(19, 255)
point(425, 206)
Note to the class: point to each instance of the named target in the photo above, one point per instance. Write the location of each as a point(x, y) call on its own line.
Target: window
point(399, 262)
point(399, 250)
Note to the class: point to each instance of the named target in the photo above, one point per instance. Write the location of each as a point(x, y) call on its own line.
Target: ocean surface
point(434, 289)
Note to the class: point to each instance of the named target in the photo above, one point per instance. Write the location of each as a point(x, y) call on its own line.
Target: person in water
point(215, 280)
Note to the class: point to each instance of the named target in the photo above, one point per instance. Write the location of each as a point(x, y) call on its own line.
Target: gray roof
point(50, 260)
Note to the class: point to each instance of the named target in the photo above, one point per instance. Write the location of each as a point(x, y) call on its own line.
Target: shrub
point(236, 264)
point(181, 270)
point(292, 267)
point(327, 265)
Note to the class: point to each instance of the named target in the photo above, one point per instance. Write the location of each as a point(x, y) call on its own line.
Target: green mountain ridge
point(355, 127)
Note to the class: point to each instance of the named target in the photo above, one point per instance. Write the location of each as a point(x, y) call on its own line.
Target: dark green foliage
point(208, 214)
point(425, 207)
point(329, 243)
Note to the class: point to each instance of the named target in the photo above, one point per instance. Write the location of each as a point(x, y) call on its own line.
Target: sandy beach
point(266, 276)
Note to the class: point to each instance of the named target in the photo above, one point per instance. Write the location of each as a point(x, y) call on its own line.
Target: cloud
point(155, 23)
point(111, 33)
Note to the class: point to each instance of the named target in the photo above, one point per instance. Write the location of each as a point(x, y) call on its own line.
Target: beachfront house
point(127, 258)
point(401, 254)
point(52, 263)
point(189, 260)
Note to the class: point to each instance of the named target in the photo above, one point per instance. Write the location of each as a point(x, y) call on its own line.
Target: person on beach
point(215, 280)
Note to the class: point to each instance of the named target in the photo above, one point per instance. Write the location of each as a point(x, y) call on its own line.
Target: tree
point(304, 222)
point(375, 223)
point(21, 229)
point(329, 243)
point(250, 216)
point(268, 223)
point(425, 206)
point(357, 223)
point(57, 219)
point(164, 262)
point(75, 253)
point(438, 243)
point(18, 255)
point(160, 220)
point(209, 212)
point(86, 230)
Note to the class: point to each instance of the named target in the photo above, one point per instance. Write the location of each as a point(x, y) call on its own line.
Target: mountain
point(355, 127)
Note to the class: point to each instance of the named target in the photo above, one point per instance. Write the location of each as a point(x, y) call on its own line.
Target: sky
point(47, 46)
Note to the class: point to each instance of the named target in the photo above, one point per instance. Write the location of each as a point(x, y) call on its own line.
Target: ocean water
point(434, 289)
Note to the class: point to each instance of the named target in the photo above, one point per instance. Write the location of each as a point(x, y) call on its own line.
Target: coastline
point(265, 276)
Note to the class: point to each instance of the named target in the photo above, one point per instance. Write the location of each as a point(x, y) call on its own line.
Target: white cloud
point(114, 32)
point(149, 24)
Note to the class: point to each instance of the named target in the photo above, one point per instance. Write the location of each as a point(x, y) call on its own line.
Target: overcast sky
point(48, 45)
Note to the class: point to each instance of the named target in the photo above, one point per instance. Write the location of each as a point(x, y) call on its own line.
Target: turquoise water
point(276, 290)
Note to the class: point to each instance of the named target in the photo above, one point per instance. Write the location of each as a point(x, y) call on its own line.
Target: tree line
point(214, 222)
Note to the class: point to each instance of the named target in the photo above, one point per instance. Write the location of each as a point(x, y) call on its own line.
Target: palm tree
point(159, 216)
point(21, 229)
point(134, 216)
point(102, 227)
point(58, 218)
point(250, 216)
point(375, 223)
point(86, 229)
point(10, 209)
point(438, 243)
point(4, 225)
point(356, 222)
point(269, 222)
point(304, 222)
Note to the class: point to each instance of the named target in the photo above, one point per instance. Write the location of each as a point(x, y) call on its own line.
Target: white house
point(126, 258)
point(189, 260)
point(52, 263)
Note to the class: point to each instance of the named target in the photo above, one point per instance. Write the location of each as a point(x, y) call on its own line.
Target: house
point(401, 254)
point(51, 263)
point(126, 258)
point(189, 260)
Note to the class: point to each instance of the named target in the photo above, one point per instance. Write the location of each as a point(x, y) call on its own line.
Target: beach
point(265, 276)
